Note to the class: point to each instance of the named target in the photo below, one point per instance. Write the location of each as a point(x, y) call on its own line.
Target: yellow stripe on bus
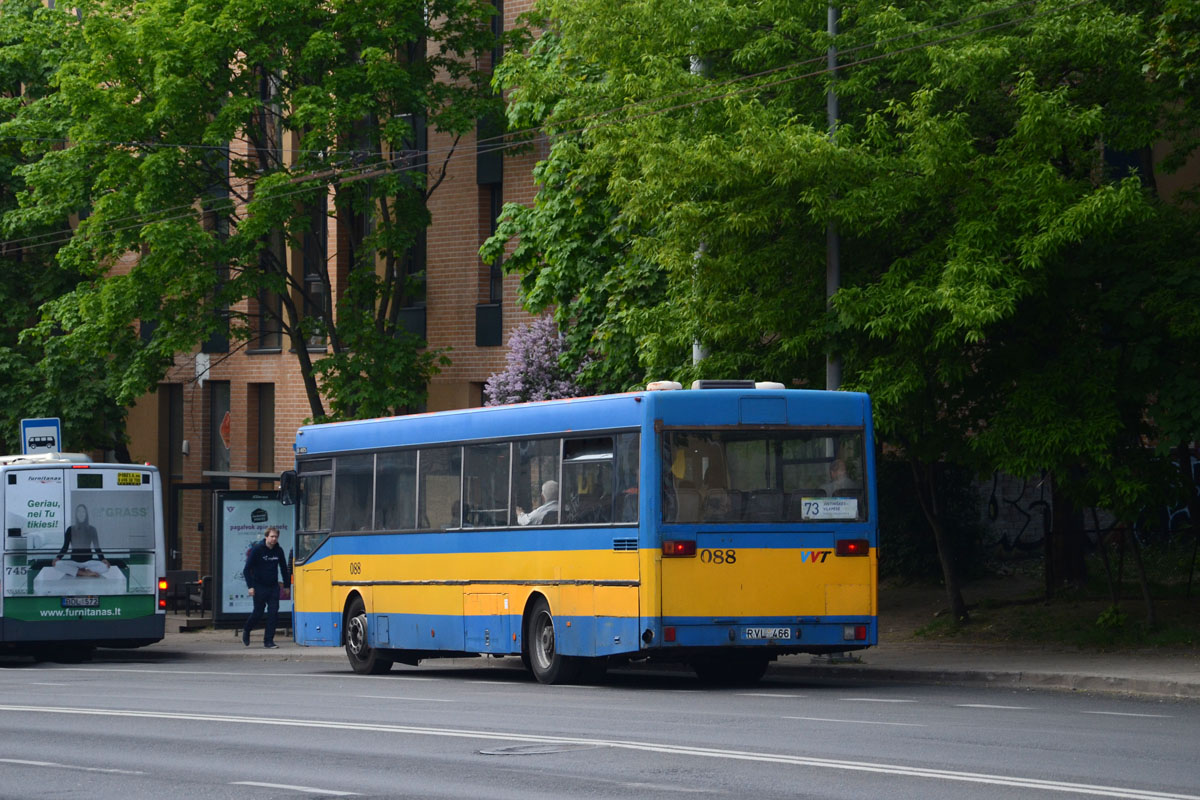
point(756, 583)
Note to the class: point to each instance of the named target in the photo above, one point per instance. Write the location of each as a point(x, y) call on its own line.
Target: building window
point(220, 429)
point(316, 284)
point(496, 268)
point(265, 400)
point(272, 261)
point(174, 393)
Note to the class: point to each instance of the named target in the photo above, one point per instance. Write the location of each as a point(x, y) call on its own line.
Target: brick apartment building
point(225, 416)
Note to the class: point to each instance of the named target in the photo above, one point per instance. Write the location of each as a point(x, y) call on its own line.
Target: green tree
point(1006, 261)
point(40, 379)
point(212, 137)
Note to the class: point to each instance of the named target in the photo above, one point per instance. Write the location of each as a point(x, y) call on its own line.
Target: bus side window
point(396, 491)
point(485, 494)
point(587, 473)
point(353, 480)
point(626, 490)
point(439, 488)
point(535, 464)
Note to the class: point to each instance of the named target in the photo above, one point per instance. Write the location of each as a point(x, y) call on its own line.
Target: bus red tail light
point(853, 547)
point(854, 633)
point(162, 593)
point(679, 548)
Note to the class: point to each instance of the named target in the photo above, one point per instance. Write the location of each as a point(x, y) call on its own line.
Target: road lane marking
point(988, 705)
point(227, 674)
point(873, 700)
point(861, 722)
point(393, 697)
point(306, 789)
point(1014, 781)
point(36, 683)
point(767, 694)
point(108, 770)
point(1127, 714)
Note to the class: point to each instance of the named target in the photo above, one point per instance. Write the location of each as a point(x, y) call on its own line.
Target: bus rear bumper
point(138, 632)
point(829, 634)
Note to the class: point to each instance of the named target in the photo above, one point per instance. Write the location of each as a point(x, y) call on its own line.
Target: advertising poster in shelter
point(242, 520)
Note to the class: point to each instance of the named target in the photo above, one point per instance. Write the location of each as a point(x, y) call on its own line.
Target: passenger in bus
point(83, 542)
point(839, 478)
point(549, 504)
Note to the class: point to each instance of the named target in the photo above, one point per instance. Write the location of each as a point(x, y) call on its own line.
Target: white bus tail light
point(854, 633)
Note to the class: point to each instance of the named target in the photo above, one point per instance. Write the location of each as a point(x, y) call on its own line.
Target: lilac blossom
point(534, 371)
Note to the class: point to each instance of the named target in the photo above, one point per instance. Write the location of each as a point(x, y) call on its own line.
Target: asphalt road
point(159, 725)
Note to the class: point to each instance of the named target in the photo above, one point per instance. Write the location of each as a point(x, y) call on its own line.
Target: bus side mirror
point(289, 488)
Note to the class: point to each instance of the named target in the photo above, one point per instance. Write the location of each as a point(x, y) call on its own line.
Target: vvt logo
point(814, 556)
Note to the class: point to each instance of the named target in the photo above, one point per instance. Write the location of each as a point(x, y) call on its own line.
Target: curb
point(1049, 681)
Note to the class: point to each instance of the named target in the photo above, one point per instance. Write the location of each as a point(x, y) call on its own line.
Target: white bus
point(84, 556)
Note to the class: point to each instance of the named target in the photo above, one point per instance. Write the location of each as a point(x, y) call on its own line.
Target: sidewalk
point(1150, 673)
point(1153, 673)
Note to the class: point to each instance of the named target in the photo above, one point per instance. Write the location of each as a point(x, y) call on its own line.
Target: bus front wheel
point(545, 662)
point(364, 659)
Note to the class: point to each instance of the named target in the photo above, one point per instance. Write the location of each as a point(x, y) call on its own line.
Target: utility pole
point(699, 66)
point(833, 254)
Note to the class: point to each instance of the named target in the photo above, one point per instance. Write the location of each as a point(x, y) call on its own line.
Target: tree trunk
point(925, 479)
point(1136, 549)
point(300, 348)
point(1065, 562)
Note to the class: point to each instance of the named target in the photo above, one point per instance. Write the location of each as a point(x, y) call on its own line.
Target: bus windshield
point(763, 476)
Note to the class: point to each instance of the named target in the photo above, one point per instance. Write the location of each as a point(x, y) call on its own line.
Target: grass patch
point(1012, 610)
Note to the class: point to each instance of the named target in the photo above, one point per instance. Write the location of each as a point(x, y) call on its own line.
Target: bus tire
point(739, 670)
point(545, 662)
point(364, 659)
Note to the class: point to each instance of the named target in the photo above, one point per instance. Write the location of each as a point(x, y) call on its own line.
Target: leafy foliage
point(243, 128)
point(41, 379)
point(1014, 292)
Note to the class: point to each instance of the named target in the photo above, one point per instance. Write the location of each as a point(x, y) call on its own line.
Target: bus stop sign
point(41, 436)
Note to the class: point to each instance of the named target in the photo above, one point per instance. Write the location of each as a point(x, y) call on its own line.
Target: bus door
point(34, 522)
point(599, 494)
point(316, 606)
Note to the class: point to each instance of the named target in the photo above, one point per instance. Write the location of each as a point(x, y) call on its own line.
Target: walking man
point(265, 560)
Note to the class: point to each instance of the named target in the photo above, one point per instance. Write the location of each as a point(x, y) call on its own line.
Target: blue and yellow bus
point(721, 527)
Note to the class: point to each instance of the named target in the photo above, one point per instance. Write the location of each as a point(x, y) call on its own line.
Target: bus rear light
point(669, 634)
point(854, 633)
point(853, 547)
point(679, 548)
point(162, 593)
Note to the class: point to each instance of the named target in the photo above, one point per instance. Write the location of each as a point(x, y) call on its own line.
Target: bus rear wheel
point(364, 659)
point(545, 662)
point(741, 670)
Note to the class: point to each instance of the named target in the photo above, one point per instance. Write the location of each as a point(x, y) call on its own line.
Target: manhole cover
point(536, 749)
